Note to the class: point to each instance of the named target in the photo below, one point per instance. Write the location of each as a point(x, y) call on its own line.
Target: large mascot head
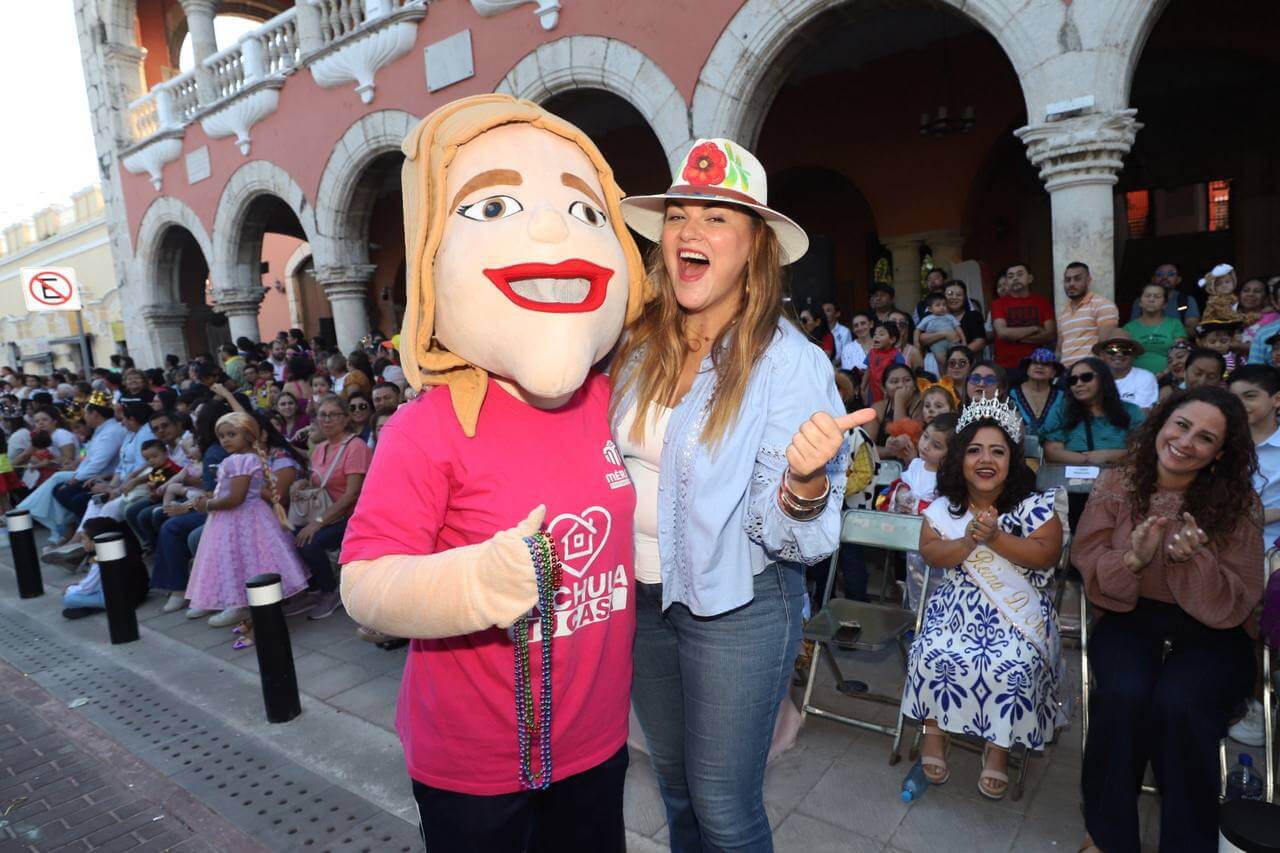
point(519, 263)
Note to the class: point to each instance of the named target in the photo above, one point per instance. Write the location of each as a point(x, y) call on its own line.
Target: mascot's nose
point(546, 225)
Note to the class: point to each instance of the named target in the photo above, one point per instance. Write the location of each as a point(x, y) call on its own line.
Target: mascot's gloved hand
point(455, 592)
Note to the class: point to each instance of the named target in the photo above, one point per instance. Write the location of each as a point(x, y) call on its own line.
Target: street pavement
point(188, 698)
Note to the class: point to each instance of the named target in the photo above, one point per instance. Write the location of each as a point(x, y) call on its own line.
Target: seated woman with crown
point(988, 658)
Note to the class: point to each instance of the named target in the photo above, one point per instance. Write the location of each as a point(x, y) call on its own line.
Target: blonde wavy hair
point(249, 425)
point(657, 343)
point(429, 149)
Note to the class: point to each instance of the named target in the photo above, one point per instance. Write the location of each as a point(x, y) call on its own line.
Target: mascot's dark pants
point(580, 813)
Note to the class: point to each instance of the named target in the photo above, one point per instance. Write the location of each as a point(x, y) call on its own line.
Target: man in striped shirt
point(1084, 317)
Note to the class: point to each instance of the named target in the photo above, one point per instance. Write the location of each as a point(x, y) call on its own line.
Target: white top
point(922, 482)
point(1139, 386)
point(62, 437)
point(642, 460)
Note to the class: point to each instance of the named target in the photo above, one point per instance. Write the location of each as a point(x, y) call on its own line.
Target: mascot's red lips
point(569, 287)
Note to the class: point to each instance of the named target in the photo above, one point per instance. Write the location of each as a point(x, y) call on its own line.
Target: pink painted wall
point(676, 34)
point(273, 313)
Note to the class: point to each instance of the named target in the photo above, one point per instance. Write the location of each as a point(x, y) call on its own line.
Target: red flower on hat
point(705, 166)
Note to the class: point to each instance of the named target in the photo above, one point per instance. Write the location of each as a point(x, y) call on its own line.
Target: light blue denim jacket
point(719, 523)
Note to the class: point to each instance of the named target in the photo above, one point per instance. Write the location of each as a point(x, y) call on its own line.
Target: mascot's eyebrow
point(576, 183)
point(491, 178)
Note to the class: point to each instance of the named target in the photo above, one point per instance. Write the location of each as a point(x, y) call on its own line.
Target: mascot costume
point(495, 525)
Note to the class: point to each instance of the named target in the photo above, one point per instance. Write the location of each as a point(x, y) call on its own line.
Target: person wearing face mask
point(1170, 546)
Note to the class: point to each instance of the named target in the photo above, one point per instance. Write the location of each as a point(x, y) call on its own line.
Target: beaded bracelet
point(548, 572)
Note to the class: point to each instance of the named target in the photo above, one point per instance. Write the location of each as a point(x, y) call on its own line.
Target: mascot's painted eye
point(588, 214)
point(491, 209)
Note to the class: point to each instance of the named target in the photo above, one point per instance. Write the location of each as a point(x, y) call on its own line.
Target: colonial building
point(901, 133)
point(72, 236)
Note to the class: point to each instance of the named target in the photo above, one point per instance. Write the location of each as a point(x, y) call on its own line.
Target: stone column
point(241, 310)
point(1079, 159)
point(347, 289)
point(906, 270)
point(947, 247)
point(166, 324)
point(204, 43)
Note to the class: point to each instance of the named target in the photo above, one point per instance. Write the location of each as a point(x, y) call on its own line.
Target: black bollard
point(117, 592)
point(26, 560)
point(275, 652)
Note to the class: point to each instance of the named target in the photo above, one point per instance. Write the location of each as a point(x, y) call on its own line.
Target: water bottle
point(1243, 783)
point(916, 783)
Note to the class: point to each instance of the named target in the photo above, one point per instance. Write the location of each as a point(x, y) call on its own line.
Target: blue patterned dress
point(970, 669)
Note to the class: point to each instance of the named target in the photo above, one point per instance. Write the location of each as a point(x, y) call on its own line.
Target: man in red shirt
point(1022, 320)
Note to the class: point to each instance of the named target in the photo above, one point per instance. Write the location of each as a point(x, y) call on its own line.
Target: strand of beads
point(547, 570)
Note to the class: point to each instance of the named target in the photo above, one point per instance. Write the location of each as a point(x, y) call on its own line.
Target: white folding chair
point(865, 626)
point(880, 574)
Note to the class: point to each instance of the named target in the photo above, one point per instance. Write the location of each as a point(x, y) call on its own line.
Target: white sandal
point(993, 776)
point(939, 764)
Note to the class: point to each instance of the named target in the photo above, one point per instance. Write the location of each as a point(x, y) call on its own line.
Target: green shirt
point(1106, 435)
point(1156, 340)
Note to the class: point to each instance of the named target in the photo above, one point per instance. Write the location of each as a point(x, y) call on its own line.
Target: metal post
point(26, 560)
point(118, 594)
point(275, 652)
point(86, 361)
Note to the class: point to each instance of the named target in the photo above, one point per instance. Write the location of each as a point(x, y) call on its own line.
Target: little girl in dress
point(244, 536)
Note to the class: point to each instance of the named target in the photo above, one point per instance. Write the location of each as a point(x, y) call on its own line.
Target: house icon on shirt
point(578, 541)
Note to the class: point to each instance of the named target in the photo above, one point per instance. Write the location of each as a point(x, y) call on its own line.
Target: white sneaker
point(193, 613)
point(1249, 729)
point(228, 617)
point(175, 603)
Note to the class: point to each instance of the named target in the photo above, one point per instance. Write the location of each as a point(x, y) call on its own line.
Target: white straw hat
point(717, 170)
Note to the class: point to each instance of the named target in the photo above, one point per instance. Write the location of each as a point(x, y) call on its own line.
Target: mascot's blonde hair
point(429, 149)
point(249, 425)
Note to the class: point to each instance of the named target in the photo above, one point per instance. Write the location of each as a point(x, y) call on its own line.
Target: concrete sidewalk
point(834, 790)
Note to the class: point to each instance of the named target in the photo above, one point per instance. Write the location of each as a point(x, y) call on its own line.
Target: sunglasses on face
point(1165, 274)
point(957, 362)
point(989, 380)
point(1113, 349)
point(359, 407)
point(1083, 376)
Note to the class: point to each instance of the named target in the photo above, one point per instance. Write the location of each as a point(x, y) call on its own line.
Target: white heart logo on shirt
point(580, 537)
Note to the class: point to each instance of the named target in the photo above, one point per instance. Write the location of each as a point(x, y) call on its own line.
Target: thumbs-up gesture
point(819, 440)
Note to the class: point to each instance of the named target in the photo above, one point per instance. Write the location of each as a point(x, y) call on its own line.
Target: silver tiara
point(1003, 413)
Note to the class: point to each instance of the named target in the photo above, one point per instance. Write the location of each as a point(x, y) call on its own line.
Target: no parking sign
point(50, 289)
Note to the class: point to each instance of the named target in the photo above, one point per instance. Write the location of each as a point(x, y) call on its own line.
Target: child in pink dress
point(244, 536)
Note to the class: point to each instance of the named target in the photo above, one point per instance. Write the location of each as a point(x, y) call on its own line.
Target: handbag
point(306, 502)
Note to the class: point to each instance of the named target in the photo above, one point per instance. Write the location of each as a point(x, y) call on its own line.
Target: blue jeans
point(706, 691)
point(173, 552)
point(76, 599)
point(315, 554)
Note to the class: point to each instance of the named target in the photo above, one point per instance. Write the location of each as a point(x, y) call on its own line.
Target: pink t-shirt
point(354, 461)
point(430, 489)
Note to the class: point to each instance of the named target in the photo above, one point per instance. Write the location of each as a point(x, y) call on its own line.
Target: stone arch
point(237, 250)
point(150, 247)
point(342, 217)
point(596, 62)
point(1132, 23)
point(751, 60)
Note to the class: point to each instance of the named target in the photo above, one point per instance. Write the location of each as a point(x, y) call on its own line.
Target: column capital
point(1087, 149)
point(232, 302)
point(166, 313)
point(207, 8)
point(345, 281)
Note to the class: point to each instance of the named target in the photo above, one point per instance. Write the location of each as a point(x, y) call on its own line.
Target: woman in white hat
point(710, 384)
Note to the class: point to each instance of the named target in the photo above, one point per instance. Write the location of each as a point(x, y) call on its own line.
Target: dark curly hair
point(1222, 494)
point(1112, 406)
point(1018, 485)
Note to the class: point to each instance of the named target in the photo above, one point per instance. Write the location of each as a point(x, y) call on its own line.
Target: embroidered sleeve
point(798, 387)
